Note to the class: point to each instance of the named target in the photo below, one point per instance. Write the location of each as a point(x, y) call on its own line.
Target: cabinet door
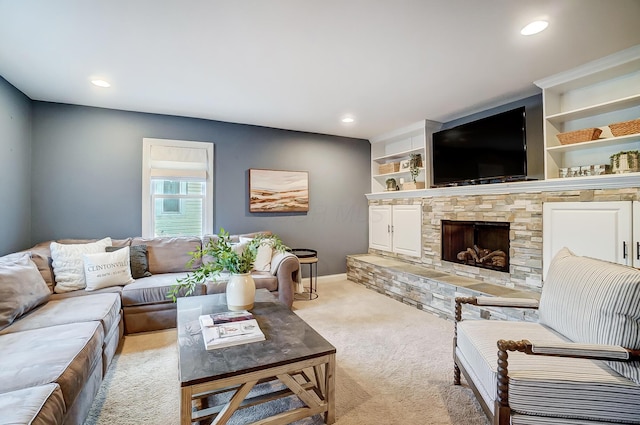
point(380, 227)
point(593, 229)
point(635, 249)
point(406, 229)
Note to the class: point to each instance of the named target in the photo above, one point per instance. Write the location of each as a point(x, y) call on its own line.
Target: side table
point(310, 257)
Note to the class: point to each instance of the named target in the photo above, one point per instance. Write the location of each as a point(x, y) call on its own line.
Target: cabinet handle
point(388, 228)
point(637, 250)
point(624, 250)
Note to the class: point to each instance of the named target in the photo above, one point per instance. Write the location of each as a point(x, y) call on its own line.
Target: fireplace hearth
point(483, 244)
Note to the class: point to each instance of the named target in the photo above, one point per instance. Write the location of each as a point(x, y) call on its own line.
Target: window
point(177, 188)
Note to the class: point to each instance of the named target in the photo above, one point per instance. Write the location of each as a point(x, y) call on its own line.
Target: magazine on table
point(229, 328)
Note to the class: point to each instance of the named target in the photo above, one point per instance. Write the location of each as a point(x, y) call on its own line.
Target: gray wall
point(87, 178)
point(15, 169)
point(535, 134)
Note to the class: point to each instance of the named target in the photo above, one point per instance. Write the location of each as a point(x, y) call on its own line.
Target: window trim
point(147, 199)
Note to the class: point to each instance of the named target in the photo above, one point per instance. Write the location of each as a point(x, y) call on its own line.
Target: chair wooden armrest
point(494, 302)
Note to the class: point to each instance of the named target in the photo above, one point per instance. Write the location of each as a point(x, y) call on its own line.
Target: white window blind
point(177, 188)
point(178, 161)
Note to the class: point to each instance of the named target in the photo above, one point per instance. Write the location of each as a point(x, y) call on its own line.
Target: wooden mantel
point(612, 181)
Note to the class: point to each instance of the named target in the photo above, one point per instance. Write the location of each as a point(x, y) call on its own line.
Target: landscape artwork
point(278, 191)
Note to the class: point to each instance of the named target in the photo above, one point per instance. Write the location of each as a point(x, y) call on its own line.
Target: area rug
point(394, 366)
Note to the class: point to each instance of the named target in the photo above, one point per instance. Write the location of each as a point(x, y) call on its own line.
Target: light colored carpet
point(394, 366)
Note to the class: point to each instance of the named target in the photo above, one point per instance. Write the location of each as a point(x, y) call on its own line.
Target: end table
point(310, 257)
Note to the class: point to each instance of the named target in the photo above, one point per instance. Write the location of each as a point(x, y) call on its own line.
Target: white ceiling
point(303, 64)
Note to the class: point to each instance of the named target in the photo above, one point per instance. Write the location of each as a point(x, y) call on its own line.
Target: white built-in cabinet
point(398, 146)
point(606, 230)
point(396, 228)
point(597, 94)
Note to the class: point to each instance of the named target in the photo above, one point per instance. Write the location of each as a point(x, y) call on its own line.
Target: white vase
point(241, 292)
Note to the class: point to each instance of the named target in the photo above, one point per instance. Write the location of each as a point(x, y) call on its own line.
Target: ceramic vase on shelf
point(241, 292)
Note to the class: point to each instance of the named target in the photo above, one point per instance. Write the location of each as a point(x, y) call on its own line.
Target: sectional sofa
point(57, 341)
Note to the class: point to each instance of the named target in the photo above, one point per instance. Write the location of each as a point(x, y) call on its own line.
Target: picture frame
point(278, 190)
point(405, 165)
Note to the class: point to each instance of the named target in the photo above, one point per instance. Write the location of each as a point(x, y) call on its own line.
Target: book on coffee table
point(226, 329)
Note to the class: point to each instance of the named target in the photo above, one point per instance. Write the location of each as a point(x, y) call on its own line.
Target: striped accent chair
point(579, 364)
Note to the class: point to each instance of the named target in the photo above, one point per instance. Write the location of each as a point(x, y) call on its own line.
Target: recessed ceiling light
point(347, 120)
point(100, 83)
point(534, 27)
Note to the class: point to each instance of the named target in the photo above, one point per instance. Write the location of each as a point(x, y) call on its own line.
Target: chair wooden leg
point(456, 374)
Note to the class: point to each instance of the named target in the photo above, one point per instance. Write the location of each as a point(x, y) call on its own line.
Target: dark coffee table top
point(288, 339)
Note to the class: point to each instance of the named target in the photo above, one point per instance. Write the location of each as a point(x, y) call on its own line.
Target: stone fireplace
point(483, 244)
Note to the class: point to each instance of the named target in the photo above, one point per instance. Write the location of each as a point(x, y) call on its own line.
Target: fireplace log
point(481, 251)
point(463, 256)
point(473, 254)
point(497, 253)
point(499, 261)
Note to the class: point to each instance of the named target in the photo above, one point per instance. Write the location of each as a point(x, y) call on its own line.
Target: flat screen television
point(488, 150)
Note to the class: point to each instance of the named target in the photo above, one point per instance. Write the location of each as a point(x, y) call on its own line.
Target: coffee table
point(292, 353)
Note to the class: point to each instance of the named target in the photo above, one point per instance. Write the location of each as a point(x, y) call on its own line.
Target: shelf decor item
point(389, 167)
point(584, 135)
point(415, 162)
point(413, 185)
point(625, 128)
point(625, 162)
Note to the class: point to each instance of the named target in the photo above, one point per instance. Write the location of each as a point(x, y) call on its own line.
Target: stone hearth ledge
point(432, 290)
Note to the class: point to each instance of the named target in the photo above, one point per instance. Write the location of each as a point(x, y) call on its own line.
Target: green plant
point(415, 161)
point(633, 157)
point(223, 258)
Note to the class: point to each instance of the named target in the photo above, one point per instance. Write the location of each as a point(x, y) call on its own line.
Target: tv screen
point(492, 148)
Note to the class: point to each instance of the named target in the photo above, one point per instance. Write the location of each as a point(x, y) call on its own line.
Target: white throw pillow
point(263, 258)
point(105, 269)
point(68, 265)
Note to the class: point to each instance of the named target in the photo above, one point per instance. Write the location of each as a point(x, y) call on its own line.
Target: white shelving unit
point(398, 146)
point(599, 93)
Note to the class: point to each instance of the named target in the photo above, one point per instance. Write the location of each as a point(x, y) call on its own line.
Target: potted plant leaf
point(415, 162)
point(625, 162)
point(222, 255)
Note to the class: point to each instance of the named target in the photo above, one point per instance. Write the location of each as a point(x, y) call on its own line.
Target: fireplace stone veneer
point(523, 212)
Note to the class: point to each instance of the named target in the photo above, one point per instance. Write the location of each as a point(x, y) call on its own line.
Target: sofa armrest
point(286, 267)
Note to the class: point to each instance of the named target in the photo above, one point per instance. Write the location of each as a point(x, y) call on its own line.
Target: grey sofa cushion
point(138, 260)
point(103, 308)
point(39, 405)
point(152, 289)
point(22, 287)
point(594, 302)
point(169, 255)
point(63, 354)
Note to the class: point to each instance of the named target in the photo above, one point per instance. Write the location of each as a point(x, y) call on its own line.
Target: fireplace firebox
point(482, 244)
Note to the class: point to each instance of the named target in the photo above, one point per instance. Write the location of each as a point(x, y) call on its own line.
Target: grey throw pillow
point(22, 288)
point(138, 260)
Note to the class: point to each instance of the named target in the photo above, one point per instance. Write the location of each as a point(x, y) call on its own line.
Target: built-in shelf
point(609, 141)
point(398, 155)
point(600, 108)
point(596, 94)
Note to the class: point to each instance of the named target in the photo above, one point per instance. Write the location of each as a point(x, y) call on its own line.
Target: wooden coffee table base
point(311, 380)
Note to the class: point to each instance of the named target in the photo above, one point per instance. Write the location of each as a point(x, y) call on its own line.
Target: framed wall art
point(278, 191)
